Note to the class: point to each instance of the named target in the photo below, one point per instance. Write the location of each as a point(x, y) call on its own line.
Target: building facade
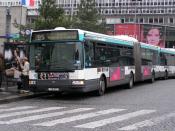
point(20, 11)
point(129, 11)
point(133, 14)
point(159, 35)
point(9, 16)
point(30, 4)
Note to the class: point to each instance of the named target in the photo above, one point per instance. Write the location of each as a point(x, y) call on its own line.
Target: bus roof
point(168, 50)
point(126, 37)
point(148, 46)
point(106, 38)
point(83, 34)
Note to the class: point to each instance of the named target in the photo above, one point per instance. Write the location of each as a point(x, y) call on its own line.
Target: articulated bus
point(167, 62)
point(74, 60)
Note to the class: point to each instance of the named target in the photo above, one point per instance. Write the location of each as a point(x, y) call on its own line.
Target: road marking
point(37, 117)
point(147, 123)
point(17, 108)
point(29, 112)
point(111, 120)
point(79, 117)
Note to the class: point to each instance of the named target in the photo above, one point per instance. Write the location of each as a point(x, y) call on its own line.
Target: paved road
point(146, 107)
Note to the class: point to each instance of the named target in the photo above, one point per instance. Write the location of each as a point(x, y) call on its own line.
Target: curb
point(21, 97)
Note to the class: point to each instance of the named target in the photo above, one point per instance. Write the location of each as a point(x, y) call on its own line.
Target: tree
point(88, 17)
point(22, 36)
point(51, 16)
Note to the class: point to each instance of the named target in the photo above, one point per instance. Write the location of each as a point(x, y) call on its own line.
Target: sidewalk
point(12, 94)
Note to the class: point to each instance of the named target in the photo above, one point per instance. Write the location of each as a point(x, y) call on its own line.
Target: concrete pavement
point(10, 93)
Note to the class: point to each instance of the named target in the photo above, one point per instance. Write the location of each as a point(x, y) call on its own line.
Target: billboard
point(154, 35)
point(110, 29)
point(132, 30)
point(150, 34)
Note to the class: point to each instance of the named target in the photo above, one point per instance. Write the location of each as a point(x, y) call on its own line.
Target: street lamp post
point(8, 22)
point(72, 9)
point(20, 19)
point(135, 15)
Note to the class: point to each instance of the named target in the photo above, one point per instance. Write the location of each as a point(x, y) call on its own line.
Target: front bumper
point(62, 85)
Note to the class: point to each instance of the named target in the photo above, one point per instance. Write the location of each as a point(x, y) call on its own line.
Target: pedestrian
point(15, 66)
point(1, 68)
point(25, 74)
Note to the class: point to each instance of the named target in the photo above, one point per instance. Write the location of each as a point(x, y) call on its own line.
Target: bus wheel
point(152, 78)
point(131, 82)
point(101, 87)
point(166, 75)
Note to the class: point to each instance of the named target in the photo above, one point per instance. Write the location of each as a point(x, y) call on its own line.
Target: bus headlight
point(33, 75)
point(78, 82)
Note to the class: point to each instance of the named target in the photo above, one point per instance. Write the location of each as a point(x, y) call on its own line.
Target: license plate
point(53, 89)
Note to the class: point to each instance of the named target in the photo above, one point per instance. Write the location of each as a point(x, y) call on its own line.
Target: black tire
point(101, 87)
point(152, 78)
point(131, 82)
point(166, 75)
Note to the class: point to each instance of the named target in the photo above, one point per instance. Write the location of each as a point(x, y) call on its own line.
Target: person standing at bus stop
point(25, 73)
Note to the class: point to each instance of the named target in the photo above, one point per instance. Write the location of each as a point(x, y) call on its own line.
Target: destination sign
point(55, 35)
point(53, 76)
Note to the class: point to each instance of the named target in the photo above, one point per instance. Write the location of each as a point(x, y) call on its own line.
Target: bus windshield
point(65, 56)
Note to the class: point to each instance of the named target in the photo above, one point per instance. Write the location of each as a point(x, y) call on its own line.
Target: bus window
point(56, 56)
point(78, 59)
point(126, 61)
point(172, 60)
point(77, 55)
point(155, 58)
point(163, 60)
point(102, 55)
point(148, 57)
point(146, 62)
point(127, 52)
point(89, 54)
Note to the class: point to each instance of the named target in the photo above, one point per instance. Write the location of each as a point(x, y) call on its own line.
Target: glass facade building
point(148, 13)
point(129, 11)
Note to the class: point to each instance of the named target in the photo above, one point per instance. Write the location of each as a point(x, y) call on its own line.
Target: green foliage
point(22, 36)
point(51, 16)
point(88, 17)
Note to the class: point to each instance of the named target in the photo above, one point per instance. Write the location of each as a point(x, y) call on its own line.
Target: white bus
point(74, 60)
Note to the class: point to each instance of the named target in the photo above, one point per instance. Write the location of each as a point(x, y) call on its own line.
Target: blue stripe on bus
point(149, 47)
point(167, 51)
point(110, 40)
point(119, 42)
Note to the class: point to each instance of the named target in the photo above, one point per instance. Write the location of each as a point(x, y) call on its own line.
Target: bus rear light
point(78, 82)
